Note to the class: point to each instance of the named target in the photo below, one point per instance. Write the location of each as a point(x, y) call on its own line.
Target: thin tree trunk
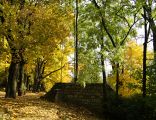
point(103, 75)
point(39, 72)
point(103, 65)
point(117, 80)
point(36, 74)
point(76, 43)
point(154, 43)
point(144, 56)
point(28, 82)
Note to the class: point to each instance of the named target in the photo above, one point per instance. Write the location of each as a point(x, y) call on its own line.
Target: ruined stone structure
point(90, 96)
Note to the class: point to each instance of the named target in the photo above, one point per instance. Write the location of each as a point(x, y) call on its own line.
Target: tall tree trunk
point(144, 54)
point(76, 43)
point(12, 80)
point(20, 84)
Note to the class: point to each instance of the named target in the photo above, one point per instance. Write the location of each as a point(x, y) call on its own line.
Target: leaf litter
point(31, 107)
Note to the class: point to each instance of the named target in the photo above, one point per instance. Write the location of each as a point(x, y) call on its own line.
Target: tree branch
point(103, 22)
point(148, 32)
point(52, 72)
point(124, 18)
point(130, 28)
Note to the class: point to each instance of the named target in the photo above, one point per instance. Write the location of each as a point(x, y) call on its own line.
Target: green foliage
point(89, 43)
point(151, 72)
point(131, 108)
point(118, 19)
point(89, 68)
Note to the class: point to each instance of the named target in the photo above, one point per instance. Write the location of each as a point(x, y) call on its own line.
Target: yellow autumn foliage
point(131, 70)
point(45, 32)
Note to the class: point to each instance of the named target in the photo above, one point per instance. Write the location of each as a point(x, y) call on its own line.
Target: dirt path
point(30, 107)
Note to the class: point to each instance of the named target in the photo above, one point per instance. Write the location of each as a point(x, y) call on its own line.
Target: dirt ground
point(31, 107)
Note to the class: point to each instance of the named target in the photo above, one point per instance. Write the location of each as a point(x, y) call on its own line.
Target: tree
point(148, 10)
point(118, 16)
point(27, 29)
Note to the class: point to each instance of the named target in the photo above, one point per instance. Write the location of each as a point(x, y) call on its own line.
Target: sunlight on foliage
point(130, 70)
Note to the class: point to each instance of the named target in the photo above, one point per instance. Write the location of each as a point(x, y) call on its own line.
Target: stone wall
point(89, 96)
